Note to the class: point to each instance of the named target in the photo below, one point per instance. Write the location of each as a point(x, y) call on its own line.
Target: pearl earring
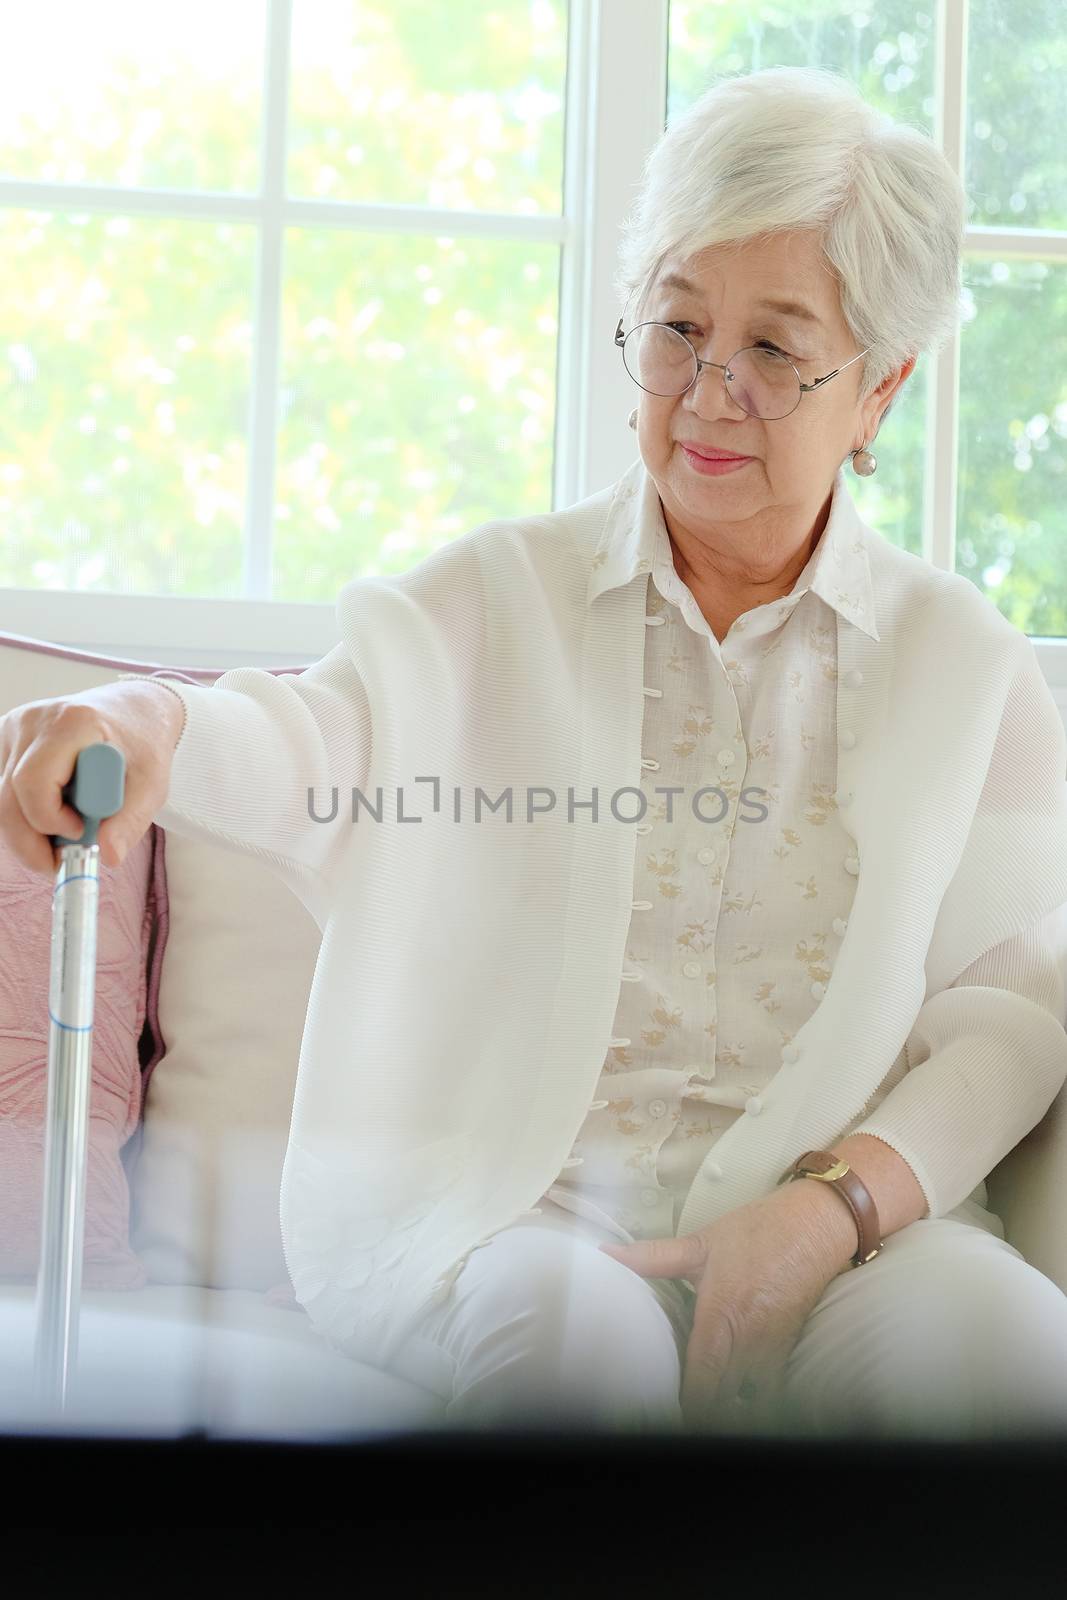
point(632, 418)
point(863, 463)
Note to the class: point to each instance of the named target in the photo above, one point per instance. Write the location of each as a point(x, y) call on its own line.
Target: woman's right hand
point(39, 743)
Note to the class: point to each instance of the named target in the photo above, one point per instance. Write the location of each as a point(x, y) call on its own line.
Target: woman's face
point(790, 476)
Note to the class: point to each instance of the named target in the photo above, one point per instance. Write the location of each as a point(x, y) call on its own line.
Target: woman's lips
point(712, 468)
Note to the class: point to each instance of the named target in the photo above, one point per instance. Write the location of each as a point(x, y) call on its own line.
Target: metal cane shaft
point(70, 1005)
point(95, 791)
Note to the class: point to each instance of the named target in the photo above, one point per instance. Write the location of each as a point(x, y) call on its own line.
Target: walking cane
point(96, 792)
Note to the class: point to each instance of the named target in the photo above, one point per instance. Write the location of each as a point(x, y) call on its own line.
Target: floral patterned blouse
point(741, 893)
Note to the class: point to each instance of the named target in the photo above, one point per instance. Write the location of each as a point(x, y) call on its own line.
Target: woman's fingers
point(40, 755)
point(39, 746)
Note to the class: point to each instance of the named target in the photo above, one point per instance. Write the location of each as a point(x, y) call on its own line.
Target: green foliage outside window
point(417, 373)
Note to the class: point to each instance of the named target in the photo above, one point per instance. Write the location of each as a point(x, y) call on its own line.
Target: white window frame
point(616, 95)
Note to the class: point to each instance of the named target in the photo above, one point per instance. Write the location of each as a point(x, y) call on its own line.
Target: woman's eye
point(687, 327)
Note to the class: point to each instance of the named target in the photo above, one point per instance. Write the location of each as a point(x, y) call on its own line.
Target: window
point(973, 457)
point(297, 290)
point(281, 297)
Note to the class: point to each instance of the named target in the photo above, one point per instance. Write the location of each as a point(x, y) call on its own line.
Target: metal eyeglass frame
point(805, 388)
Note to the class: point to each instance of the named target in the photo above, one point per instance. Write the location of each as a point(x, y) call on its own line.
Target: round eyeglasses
point(763, 382)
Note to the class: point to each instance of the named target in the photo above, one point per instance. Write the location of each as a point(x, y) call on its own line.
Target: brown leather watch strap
point(832, 1170)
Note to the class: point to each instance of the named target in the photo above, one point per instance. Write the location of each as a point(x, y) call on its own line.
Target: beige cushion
point(232, 998)
point(1027, 1190)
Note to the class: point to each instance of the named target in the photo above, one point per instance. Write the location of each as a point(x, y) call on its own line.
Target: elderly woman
point(682, 860)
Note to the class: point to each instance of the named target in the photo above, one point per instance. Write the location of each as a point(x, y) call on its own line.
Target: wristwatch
point(836, 1172)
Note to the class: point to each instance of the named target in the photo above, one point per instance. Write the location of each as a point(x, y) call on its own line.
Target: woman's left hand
point(758, 1272)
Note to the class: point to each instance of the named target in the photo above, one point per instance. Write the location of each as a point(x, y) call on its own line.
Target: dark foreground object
point(521, 1515)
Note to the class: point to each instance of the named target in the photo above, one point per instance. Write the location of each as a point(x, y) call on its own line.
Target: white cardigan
point(469, 970)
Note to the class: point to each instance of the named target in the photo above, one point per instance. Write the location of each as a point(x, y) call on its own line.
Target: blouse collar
point(634, 540)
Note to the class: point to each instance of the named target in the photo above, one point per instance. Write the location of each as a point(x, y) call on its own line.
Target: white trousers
point(948, 1334)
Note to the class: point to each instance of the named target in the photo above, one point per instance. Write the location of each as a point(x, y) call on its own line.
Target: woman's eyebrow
point(788, 308)
point(792, 308)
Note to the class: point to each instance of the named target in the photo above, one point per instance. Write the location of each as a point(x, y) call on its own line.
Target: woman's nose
point(710, 394)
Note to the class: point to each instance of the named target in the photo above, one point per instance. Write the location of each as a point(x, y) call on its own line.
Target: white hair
point(799, 147)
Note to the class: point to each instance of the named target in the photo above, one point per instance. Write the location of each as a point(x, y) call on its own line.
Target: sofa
point(204, 1334)
point(190, 1324)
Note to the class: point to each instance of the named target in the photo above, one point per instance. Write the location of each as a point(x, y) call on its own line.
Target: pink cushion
point(130, 937)
point(36, 669)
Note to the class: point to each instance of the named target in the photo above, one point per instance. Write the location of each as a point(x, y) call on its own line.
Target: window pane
point(1013, 440)
point(888, 53)
point(123, 403)
point(1017, 102)
point(120, 92)
point(418, 401)
point(887, 50)
point(404, 103)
